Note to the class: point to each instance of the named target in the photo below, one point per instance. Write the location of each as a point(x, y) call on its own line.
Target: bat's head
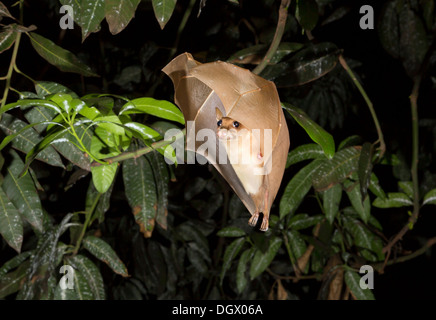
point(228, 128)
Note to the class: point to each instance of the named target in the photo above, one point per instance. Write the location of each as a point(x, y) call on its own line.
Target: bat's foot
point(253, 220)
point(264, 225)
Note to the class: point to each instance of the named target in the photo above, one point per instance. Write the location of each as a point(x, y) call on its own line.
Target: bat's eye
point(236, 124)
point(219, 123)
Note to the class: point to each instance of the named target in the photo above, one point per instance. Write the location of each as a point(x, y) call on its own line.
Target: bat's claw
point(253, 220)
point(264, 225)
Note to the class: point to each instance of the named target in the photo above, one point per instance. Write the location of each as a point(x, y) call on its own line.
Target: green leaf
point(25, 103)
point(262, 260)
point(110, 123)
point(230, 254)
point(349, 142)
point(13, 281)
point(60, 58)
point(91, 274)
point(143, 131)
point(256, 52)
point(363, 208)
point(8, 37)
point(337, 169)
point(306, 65)
point(14, 262)
point(163, 10)
point(430, 197)
point(103, 251)
point(158, 108)
point(161, 178)
point(91, 15)
point(402, 34)
point(352, 279)
point(303, 221)
point(48, 254)
point(315, 132)
point(241, 277)
point(44, 145)
point(140, 190)
point(27, 140)
point(407, 187)
point(231, 232)
point(104, 144)
point(304, 152)
point(45, 88)
point(119, 13)
point(103, 176)
point(297, 244)
point(375, 187)
point(66, 294)
point(21, 131)
point(331, 200)
point(297, 189)
point(64, 146)
point(307, 13)
point(103, 202)
point(22, 193)
point(364, 168)
point(11, 226)
point(394, 200)
point(37, 114)
point(4, 12)
point(369, 245)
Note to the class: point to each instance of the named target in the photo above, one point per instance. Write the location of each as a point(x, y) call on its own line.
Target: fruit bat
point(250, 135)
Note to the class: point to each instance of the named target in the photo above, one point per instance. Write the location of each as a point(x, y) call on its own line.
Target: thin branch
point(283, 15)
point(415, 147)
point(368, 102)
point(381, 266)
point(137, 153)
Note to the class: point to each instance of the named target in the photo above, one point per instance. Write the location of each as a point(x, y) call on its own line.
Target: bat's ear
point(219, 114)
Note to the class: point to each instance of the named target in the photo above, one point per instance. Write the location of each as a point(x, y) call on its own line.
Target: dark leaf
point(60, 58)
point(365, 168)
point(119, 13)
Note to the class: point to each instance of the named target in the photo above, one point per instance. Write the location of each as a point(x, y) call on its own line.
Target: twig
point(11, 70)
point(381, 266)
point(368, 102)
point(415, 147)
point(283, 15)
point(293, 278)
point(137, 153)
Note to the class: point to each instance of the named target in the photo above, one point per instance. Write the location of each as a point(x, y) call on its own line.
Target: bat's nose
point(222, 133)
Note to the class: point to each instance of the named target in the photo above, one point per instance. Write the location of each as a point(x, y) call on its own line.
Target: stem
point(150, 92)
point(414, 166)
point(11, 70)
point(283, 15)
point(415, 145)
point(137, 153)
point(368, 102)
point(182, 26)
point(13, 62)
point(85, 225)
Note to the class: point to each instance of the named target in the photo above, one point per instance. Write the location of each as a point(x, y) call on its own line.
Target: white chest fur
point(243, 151)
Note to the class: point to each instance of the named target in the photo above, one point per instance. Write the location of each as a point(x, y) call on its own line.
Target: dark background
point(216, 34)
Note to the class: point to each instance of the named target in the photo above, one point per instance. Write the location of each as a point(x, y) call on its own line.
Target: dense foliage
point(85, 174)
